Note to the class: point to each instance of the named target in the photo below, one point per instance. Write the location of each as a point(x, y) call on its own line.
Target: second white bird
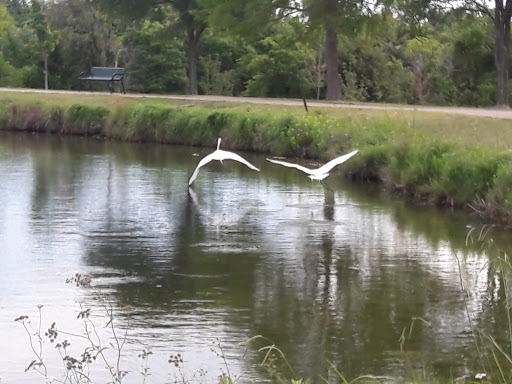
point(318, 173)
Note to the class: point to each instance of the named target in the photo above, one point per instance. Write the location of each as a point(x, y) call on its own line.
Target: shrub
point(32, 77)
point(467, 174)
point(414, 166)
point(85, 120)
point(500, 195)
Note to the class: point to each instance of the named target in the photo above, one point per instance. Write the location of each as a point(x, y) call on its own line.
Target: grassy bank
point(426, 156)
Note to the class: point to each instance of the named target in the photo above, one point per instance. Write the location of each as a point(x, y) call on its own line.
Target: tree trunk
point(502, 16)
point(192, 56)
point(319, 71)
point(420, 81)
point(45, 71)
point(331, 64)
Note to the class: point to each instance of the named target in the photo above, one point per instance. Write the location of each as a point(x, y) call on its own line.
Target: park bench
point(109, 74)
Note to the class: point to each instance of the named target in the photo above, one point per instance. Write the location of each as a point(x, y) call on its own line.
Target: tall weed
point(83, 119)
point(414, 166)
point(467, 174)
point(29, 117)
point(500, 196)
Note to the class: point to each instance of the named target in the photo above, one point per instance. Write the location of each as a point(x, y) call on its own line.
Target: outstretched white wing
point(291, 165)
point(321, 172)
point(203, 161)
point(226, 155)
point(220, 155)
point(334, 162)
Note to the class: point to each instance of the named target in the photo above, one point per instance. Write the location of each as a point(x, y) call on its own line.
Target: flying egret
point(319, 173)
point(220, 155)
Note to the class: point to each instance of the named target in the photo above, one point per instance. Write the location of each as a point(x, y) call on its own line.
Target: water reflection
point(327, 278)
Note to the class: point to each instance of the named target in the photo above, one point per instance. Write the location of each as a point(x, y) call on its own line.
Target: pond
point(367, 283)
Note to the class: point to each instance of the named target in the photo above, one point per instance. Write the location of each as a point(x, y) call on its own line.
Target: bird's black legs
point(328, 193)
point(326, 186)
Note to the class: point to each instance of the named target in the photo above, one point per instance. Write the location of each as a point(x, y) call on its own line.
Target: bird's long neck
point(218, 143)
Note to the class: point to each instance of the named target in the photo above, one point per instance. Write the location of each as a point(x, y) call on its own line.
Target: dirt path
point(482, 112)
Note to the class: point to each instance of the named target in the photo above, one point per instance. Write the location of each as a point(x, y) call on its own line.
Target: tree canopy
point(398, 51)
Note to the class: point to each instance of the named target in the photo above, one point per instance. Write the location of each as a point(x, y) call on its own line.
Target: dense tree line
point(396, 51)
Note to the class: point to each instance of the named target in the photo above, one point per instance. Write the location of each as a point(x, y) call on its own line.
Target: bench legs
point(87, 85)
point(111, 85)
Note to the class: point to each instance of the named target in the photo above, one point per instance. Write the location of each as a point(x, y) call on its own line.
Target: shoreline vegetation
point(433, 158)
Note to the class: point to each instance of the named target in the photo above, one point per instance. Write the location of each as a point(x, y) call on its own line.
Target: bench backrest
point(107, 72)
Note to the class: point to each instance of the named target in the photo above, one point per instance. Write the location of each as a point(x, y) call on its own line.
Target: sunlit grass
point(492, 132)
point(439, 157)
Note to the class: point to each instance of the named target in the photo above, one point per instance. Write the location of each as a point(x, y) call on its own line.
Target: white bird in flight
point(220, 155)
point(319, 173)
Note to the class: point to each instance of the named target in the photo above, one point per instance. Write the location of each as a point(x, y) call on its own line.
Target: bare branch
point(290, 10)
point(476, 6)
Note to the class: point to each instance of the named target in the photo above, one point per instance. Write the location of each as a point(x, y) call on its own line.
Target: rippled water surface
point(241, 254)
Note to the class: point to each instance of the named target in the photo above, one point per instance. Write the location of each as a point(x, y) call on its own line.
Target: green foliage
point(473, 61)
point(7, 24)
point(139, 123)
point(415, 166)
point(215, 82)
point(47, 39)
point(430, 48)
point(468, 174)
point(131, 8)
point(85, 120)
point(156, 60)
point(39, 23)
point(9, 76)
point(431, 66)
point(87, 39)
point(281, 63)
point(500, 195)
point(241, 17)
point(32, 76)
point(372, 69)
point(18, 10)
point(370, 163)
point(16, 47)
point(442, 89)
point(395, 82)
point(218, 69)
point(239, 51)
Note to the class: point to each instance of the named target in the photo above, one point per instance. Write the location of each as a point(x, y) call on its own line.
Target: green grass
point(494, 133)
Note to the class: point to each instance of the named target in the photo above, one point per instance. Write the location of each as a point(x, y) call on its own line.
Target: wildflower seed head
point(84, 314)
point(51, 333)
point(145, 354)
point(177, 360)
